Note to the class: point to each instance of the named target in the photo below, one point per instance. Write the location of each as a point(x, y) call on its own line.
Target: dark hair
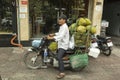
point(62, 16)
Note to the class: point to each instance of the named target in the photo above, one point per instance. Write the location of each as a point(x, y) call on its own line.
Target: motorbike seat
point(108, 37)
point(70, 51)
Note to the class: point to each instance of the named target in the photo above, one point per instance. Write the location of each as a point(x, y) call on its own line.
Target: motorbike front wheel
point(32, 60)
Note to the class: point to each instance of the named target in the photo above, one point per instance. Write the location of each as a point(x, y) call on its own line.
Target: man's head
point(62, 19)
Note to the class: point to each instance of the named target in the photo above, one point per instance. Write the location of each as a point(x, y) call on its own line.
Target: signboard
point(23, 9)
point(24, 2)
point(22, 15)
point(104, 23)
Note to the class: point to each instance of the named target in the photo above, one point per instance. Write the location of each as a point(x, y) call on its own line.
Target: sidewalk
point(116, 40)
point(102, 68)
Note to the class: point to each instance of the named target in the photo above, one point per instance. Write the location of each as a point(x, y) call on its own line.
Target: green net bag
point(78, 60)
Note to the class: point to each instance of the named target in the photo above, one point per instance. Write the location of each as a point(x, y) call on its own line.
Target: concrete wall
point(95, 13)
point(90, 9)
point(23, 20)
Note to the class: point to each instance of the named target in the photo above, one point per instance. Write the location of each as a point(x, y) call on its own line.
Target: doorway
point(111, 13)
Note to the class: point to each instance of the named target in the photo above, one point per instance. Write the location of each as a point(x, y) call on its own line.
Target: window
point(44, 14)
point(7, 16)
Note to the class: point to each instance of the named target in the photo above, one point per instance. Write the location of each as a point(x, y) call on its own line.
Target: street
point(102, 68)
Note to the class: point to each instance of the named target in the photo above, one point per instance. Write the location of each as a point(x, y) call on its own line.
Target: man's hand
point(49, 37)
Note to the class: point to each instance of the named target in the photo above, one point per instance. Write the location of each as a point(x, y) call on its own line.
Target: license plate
point(94, 45)
point(110, 44)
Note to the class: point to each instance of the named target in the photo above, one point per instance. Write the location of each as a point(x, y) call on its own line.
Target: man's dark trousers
point(60, 55)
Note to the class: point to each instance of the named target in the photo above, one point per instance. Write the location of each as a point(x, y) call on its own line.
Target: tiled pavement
point(102, 68)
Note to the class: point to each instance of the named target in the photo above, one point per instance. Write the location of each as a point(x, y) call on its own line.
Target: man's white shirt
point(62, 37)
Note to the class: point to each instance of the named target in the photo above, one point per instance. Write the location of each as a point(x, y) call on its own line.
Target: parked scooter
point(104, 44)
point(40, 55)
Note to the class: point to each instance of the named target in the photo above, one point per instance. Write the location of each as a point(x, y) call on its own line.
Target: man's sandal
point(61, 75)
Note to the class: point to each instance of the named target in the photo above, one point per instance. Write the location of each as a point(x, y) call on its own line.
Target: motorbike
point(41, 56)
point(104, 44)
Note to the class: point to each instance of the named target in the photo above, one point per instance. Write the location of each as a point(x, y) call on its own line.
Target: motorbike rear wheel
point(32, 60)
point(107, 51)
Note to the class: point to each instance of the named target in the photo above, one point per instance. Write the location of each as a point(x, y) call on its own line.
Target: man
point(62, 37)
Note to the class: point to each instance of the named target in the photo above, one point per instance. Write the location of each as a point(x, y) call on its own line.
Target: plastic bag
point(36, 43)
point(72, 42)
point(94, 52)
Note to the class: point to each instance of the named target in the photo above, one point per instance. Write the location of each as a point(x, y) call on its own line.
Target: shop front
point(36, 18)
point(44, 14)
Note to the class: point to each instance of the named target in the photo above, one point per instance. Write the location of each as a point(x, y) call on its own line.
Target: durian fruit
point(83, 22)
point(53, 46)
point(88, 22)
point(92, 29)
point(72, 28)
point(81, 29)
point(88, 27)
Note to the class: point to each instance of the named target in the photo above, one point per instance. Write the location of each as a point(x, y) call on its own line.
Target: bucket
point(94, 52)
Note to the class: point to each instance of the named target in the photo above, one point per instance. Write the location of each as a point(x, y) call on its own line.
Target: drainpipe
point(18, 20)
